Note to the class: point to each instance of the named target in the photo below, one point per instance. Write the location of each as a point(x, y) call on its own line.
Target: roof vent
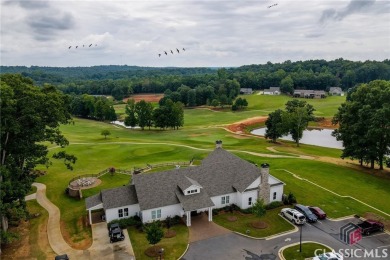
point(264, 165)
point(218, 144)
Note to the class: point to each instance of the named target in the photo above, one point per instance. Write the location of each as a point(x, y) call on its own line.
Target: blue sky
point(214, 32)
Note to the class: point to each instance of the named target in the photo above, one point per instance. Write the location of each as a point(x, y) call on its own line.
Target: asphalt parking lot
point(234, 246)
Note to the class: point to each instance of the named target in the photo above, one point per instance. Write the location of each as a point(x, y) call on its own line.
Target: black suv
point(310, 217)
point(62, 257)
point(116, 235)
point(112, 227)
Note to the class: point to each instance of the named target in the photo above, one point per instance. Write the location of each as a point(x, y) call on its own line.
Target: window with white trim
point(250, 201)
point(126, 210)
point(120, 213)
point(274, 197)
point(156, 214)
point(225, 200)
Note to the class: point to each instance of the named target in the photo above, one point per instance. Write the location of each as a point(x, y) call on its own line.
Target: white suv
point(293, 215)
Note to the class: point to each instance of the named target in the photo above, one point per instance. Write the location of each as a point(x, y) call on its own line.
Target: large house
point(222, 179)
point(246, 91)
point(272, 91)
point(336, 91)
point(307, 93)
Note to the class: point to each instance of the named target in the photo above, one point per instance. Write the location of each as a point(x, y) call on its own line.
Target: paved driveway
point(201, 228)
point(233, 246)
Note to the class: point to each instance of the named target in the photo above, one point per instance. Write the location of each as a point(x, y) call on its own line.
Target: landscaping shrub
point(258, 208)
point(126, 222)
point(289, 199)
point(215, 212)
point(274, 205)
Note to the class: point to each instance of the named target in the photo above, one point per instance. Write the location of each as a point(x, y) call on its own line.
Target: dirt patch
point(19, 249)
point(373, 216)
point(170, 233)
point(84, 241)
point(327, 123)
point(259, 224)
point(240, 126)
point(146, 97)
point(232, 218)
point(153, 251)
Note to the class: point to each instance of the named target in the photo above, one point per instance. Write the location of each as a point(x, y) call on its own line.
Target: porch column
point(210, 214)
point(90, 217)
point(188, 218)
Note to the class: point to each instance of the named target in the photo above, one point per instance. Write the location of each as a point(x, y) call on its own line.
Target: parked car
point(61, 257)
point(369, 226)
point(310, 217)
point(116, 235)
point(329, 256)
point(318, 212)
point(293, 215)
point(111, 227)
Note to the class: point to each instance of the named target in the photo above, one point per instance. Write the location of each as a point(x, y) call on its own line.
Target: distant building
point(307, 93)
point(336, 91)
point(272, 91)
point(246, 91)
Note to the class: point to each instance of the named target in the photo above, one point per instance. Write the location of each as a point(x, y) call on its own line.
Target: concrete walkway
point(201, 228)
point(101, 247)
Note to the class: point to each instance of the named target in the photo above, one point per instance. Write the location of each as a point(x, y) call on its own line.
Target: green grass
point(308, 250)
point(173, 247)
point(36, 251)
point(276, 224)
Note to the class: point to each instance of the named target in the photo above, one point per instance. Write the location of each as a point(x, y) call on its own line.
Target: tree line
point(91, 107)
point(168, 114)
point(121, 81)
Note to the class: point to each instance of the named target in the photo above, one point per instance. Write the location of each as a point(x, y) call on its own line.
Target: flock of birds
point(166, 53)
point(80, 46)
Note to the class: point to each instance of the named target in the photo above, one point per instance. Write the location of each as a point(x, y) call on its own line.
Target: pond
point(318, 137)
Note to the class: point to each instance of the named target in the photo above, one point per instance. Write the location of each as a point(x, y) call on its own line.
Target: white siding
point(245, 196)
point(279, 193)
point(112, 214)
point(254, 184)
point(171, 210)
point(239, 199)
point(218, 199)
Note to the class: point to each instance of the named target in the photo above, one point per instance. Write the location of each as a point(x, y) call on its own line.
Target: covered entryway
point(201, 228)
point(189, 216)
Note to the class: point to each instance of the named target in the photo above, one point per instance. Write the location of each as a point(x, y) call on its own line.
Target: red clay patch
point(146, 97)
point(241, 125)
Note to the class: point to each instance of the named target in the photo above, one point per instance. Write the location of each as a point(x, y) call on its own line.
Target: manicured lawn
point(173, 247)
point(276, 224)
point(308, 250)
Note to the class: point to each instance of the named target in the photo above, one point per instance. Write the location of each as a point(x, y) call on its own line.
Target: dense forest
point(121, 81)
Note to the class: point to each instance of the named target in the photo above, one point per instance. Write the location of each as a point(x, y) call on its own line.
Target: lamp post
point(161, 252)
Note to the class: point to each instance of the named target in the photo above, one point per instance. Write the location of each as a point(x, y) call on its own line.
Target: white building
point(221, 180)
point(272, 91)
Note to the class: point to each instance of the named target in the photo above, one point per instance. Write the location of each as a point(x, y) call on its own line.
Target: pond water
point(319, 137)
point(121, 123)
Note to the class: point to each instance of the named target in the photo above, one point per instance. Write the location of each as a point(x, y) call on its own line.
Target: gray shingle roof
point(93, 201)
point(118, 197)
point(220, 173)
point(194, 201)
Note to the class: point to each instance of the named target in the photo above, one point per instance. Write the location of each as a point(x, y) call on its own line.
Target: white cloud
point(214, 32)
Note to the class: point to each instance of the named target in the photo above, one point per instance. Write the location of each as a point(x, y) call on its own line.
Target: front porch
point(188, 215)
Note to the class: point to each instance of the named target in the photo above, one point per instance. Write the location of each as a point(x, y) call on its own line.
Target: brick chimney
point(218, 144)
point(264, 187)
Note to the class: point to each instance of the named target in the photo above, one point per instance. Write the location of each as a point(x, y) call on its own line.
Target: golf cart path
point(100, 248)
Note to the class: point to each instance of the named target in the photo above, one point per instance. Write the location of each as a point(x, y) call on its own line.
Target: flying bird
point(70, 47)
point(272, 5)
point(171, 51)
point(184, 49)
point(159, 55)
point(177, 50)
point(76, 47)
point(83, 45)
point(166, 53)
point(90, 45)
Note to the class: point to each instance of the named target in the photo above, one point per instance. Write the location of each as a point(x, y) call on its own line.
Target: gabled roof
point(93, 201)
point(195, 201)
point(220, 173)
point(118, 197)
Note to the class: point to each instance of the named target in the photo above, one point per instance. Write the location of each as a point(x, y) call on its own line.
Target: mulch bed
point(170, 233)
point(259, 224)
point(153, 251)
point(231, 218)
